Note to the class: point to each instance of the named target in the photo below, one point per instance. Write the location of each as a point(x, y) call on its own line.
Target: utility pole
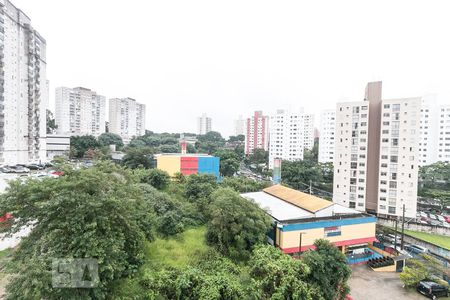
point(396, 225)
point(300, 243)
point(403, 226)
point(310, 187)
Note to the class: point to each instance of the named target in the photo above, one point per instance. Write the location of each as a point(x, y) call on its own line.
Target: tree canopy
point(229, 162)
point(138, 158)
point(79, 145)
point(108, 138)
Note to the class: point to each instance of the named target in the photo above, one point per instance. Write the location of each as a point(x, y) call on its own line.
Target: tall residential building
point(79, 111)
point(308, 131)
point(443, 150)
point(286, 136)
point(203, 124)
point(326, 135)
point(23, 88)
point(239, 126)
point(126, 118)
point(257, 135)
point(429, 122)
point(376, 157)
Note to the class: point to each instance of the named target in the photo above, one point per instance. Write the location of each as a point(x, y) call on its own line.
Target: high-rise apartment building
point(257, 133)
point(239, 126)
point(79, 111)
point(376, 154)
point(326, 135)
point(203, 124)
point(126, 118)
point(286, 136)
point(23, 88)
point(429, 120)
point(443, 149)
point(308, 131)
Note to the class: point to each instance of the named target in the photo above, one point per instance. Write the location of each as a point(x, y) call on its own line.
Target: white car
point(441, 218)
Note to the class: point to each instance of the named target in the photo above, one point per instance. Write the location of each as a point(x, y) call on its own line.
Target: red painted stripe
point(339, 243)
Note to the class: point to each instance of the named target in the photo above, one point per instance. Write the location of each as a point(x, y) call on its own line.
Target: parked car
point(416, 249)
point(35, 167)
point(432, 216)
point(6, 169)
point(19, 169)
point(432, 289)
point(441, 218)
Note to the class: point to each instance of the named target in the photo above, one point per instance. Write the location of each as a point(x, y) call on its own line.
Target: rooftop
point(285, 204)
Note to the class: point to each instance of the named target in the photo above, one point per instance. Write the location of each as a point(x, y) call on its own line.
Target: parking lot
point(367, 284)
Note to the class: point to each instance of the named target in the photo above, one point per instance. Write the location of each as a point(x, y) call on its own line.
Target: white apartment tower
point(23, 88)
point(326, 137)
point(308, 131)
point(286, 136)
point(257, 133)
point(443, 150)
point(79, 111)
point(203, 124)
point(126, 118)
point(429, 131)
point(239, 126)
point(376, 154)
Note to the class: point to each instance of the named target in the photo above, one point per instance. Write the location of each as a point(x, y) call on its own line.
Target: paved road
point(371, 285)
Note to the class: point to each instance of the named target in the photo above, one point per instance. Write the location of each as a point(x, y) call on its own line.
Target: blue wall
point(209, 165)
point(328, 223)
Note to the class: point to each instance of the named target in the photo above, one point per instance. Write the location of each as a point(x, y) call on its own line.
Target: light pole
point(403, 226)
point(300, 243)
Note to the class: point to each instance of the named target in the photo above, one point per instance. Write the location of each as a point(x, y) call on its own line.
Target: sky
point(229, 58)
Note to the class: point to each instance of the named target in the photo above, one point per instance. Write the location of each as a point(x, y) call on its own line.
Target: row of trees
point(434, 182)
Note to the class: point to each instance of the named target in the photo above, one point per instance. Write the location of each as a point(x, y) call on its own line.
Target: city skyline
point(294, 70)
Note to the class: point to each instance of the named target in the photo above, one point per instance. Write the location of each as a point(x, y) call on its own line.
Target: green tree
point(82, 143)
point(108, 138)
point(157, 178)
point(329, 270)
point(298, 173)
point(236, 138)
point(199, 186)
point(51, 124)
point(229, 162)
point(235, 224)
point(138, 158)
point(413, 273)
point(243, 184)
point(277, 276)
point(169, 149)
point(94, 213)
point(210, 142)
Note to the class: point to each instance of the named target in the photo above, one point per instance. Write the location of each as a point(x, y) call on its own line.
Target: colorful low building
point(188, 164)
point(300, 219)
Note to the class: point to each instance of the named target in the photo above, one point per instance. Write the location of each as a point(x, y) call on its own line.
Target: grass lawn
point(178, 251)
point(440, 240)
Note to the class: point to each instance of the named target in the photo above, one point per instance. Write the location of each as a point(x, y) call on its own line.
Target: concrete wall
point(168, 163)
point(431, 247)
point(416, 227)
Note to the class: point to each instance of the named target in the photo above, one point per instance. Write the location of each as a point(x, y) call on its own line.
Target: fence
point(417, 227)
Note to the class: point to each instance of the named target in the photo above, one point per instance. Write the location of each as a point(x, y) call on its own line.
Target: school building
point(300, 219)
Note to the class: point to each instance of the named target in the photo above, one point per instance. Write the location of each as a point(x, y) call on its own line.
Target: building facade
point(188, 164)
point(300, 219)
point(57, 145)
point(326, 135)
point(443, 149)
point(376, 154)
point(126, 118)
point(79, 111)
point(239, 126)
point(429, 131)
point(203, 124)
point(308, 131)
point(257, 133)
point(286, 136)
point(23, 88)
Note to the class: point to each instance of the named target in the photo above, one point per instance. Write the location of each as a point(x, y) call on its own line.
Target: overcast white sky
point(225, 58)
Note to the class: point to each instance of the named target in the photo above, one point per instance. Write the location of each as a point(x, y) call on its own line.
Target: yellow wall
point(290, 239)
point(170, 164)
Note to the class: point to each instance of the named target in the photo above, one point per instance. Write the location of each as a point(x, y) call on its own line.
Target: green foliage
point(243, 184)
point(329, 270)
point(108, 138)
point(229, 162)
point(434, 182)
point(210, 142)
point(97, 213)
point(412, 274)
point(169, 149)
point(278, 276)
point(199, 186)
point(157, 178)
point(79, 145)
point(236, 138)
point(51, 124)
point(235, 224)
point(138, 158)
point(259, 156)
